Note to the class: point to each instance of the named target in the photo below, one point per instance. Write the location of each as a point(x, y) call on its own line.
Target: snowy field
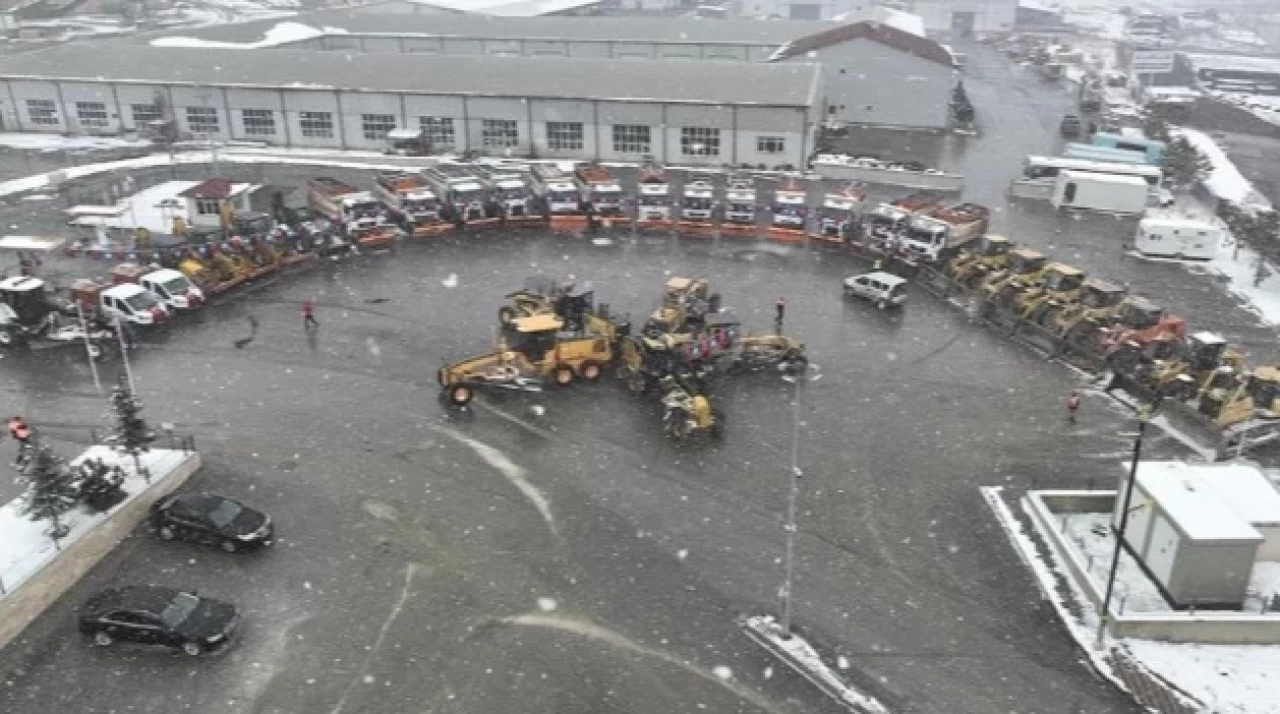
point(24, 546)
point(54, 142)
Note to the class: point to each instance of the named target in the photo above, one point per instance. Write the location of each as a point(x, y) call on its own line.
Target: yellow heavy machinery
point(1060, 285)
point(540, 296)
point(533, 349)
point(1140, 321)
point(1236, 397)
point(686, 412)
point(1099, 303)
point(685, 304)
point(970, 268)
point(1204, 356)
point(1024, 265)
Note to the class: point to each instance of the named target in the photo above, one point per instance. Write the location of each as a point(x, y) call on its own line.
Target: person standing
point(309, 315)
point(780, 308)
point(19, 429)
point(1073, 406)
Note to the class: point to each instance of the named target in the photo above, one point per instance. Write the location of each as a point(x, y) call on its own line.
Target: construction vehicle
point(918, 202)
point(461, 187)
point(408, 142)
point(1237, 398)
point(790, 205)
point(768, 350)
point(509, 188)
point(938, 233)
point(533, 349)
point(699, 198)
point(740, 201)
point(29, 316)
point(686, 412)
point(685, 305)
point(1140, 322)
point(654, 200)
point(1059, 285)
point(1204, 354)
point(557, 189)
point(600, 188)
point(839, 213)
point(342, 203)
point(971, 267)
point(214, 270)
point(885, 222)
point(1099, 303)
point(544, 296)
point(1024, 265)
point(408, 198)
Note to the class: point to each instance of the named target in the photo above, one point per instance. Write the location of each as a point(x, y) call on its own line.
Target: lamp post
point(1144, 415)
point(784, 593)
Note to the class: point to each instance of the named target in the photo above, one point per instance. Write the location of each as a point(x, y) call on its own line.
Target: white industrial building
point(966, 18)
point(711, 114)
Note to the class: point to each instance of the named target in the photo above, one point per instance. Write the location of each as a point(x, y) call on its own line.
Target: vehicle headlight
point(216, 638)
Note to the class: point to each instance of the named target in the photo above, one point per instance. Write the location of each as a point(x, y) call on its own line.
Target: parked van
point(883, 289)
point(133, 303)
point(1178, 238)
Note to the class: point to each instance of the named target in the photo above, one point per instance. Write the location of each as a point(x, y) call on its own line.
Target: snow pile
point(802, 657)
point(1225, 180)
point(282, 33)
point(54, 142)
point(24, 547)
point(1250, 278)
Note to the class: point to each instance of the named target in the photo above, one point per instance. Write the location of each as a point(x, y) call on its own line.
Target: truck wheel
point(797, 364)
point(506, 315)
point(460, 395)
point(564, 376)
point(591, 371)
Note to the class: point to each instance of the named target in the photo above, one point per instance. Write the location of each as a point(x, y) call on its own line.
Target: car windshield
point(178, 285)
point(224, 512)
point(141, 301)
point(179, 609)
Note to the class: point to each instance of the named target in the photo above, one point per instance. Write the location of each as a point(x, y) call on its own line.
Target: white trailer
point(1107, 193)
point(557, 189)
point(1178, 238)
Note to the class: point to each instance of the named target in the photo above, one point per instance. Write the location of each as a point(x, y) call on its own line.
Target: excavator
point(1059, 285)
point(1100, 301)
point(972, 266)
point(1024, 264)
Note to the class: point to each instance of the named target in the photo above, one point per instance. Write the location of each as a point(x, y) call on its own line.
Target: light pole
point(784, 593)
point(1144, 415)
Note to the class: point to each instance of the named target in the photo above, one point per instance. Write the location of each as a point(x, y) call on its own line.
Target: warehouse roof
point(625, 80)
point(509, 8)
point(874, 31)
point(402, 19)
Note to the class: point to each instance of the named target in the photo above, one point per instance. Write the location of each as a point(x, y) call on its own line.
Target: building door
point(962, 23)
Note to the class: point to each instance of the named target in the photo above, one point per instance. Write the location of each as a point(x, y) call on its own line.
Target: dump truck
point(558, 190)
point(407, 195)
point(699, 198)
point(939, 233)
point(343, 203)
point(599, 186)
point(840, 210)
point(654, 200)
point(790, 205)
point(461, 186)
point(740, 201)
point(509, 188)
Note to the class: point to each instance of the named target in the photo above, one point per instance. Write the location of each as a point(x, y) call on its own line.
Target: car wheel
point(167, 533)
point(228, 546)
point(591, 371)
point(192, 648)
point(102, 639)
point(564, 376)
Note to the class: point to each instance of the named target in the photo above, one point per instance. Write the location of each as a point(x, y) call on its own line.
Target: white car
point(883, 289)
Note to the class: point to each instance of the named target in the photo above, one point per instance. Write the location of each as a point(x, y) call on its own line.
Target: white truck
point(699, 198)
point(938, 233)
point(557, 189)
point(509, 187)
point(132, 303)
point(840, 212)
point(1178, 238)
point(1107, 193)
point(601, 188)
point(740, 201)
point(461, 186)
point(407, 194)
point(654, 201)
point(174, 288)
point(790, 206)
point(342, 203)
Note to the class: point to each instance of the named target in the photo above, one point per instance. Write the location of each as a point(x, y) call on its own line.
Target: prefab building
point(711, 114)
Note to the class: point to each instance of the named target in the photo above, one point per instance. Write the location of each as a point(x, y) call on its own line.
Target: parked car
point(162, 616)
point(206, 518)
point(1070, 128)
point(883, 289)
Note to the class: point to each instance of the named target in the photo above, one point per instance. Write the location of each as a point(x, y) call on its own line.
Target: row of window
point(494, 133)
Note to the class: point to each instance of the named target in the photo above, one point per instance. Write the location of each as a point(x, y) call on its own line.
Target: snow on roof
point(509, 8)
point(1193, 506)
point(213, 188)
point(901, 20)
point(1117, 179)
point(31, 243)
point(884, 34)
point(1241, 487)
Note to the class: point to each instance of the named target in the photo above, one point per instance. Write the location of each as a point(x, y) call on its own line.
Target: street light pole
point(1144, 414)
point(790, 527)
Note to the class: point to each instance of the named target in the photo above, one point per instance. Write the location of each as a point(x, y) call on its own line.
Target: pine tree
point(52, 489)
point(1184, 164)
point(100, 485)
point(132, 435)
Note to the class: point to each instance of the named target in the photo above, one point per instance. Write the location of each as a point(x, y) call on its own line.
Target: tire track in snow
point(410, 570)
point(512, 471)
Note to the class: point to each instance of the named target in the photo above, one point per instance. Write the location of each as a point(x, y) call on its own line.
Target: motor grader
point(539, 296)
point(768, 350)
point(646, 359)
point(536, 348)
point(1237, 397)
point(1024, 264)
point(685, 304)
point(972, 266)
point(1099, 303)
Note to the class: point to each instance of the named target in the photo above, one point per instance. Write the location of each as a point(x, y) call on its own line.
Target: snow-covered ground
point(1224, 679)
point(56, 142)
point(180, 14)
point(283, 32)
point(1225, 180)
point(1263, 106)
point(24, 546)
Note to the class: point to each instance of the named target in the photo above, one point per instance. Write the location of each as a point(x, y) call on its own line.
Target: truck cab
point(839, 213)
point(740, 201)
point(699, 199)
point(509, 188)
point(557, 189)
point(25, 309)
point(790, 209)
point(132, 303)
point(361, 210)
point(173, 288)
point(461, 186)
point(599, 186)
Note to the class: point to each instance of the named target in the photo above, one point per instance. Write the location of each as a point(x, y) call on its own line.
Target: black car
point(159, 616)
point(205, 518)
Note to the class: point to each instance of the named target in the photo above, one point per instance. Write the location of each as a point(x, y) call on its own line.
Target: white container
point(1108, 193)
point(1177, 238)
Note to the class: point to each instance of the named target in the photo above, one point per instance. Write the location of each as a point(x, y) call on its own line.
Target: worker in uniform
point(1073, 405)
point(19, 429)
point(309, 315)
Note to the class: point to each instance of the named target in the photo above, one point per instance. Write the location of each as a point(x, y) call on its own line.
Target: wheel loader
point(686, 413)
point(685, 304)
point(536, 348)
point(971, 267)
point(1060, 285)
point(1099, 303)
point(1242, 397)
point(1024, 264)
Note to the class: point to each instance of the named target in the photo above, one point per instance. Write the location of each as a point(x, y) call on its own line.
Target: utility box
point(1240, 487)
point(1198, 551)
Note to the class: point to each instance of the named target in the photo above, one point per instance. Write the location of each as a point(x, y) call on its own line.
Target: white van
point(883, 289)
point(175, 289)
point(133, 303)
point(1177, 238)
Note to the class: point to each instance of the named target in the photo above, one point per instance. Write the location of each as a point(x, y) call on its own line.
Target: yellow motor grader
point(970, 268)
point(1099, 304)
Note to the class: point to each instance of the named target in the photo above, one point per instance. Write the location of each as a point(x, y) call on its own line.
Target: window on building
point(316, 125)
point(202, 120)
point(91, 113)
point(437, 130)
point(499, 133)
point(42, 111)
point(770, 144)
point(699, 141)
point(376, 126)
point(259, 122)
point(564, 135)
point(143, 113)
point(208, 207)
point(631, 139)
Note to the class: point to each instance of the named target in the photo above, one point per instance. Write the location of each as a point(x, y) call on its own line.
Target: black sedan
point(159, 616)
point(205, 518)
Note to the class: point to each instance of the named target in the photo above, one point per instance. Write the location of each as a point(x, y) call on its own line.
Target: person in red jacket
point(309, 315)
point(18, 429)
point(1073, 406)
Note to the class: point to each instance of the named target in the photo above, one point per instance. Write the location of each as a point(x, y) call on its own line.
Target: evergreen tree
point(99, 484)
point(132, 436)
point(1183, 163)
point(52, 489)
